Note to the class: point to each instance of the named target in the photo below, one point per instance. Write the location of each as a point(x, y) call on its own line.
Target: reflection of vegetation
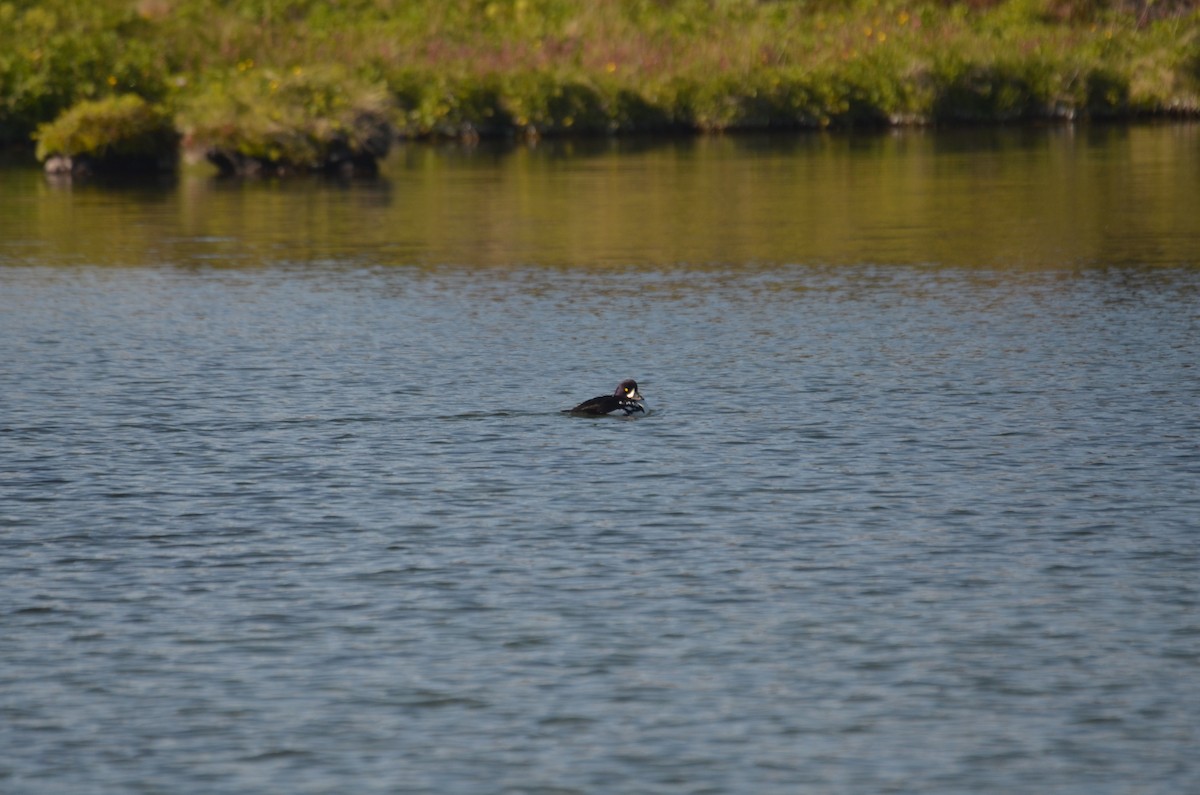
point(1056, 198)
point(478, 67)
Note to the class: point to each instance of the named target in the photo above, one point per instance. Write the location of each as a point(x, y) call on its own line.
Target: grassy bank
point(537, 67)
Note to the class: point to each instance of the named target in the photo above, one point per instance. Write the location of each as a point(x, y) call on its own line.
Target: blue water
point(318, 526)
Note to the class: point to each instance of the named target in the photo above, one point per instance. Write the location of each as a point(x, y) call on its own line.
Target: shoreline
point(21, 155)
point(324, 86)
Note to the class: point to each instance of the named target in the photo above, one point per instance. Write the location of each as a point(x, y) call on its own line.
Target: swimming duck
point(625, 400)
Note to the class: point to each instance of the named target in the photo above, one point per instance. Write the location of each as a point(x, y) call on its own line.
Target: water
point(287, 503)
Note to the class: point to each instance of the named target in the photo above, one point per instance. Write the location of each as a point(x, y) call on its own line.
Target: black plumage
point(625, 399)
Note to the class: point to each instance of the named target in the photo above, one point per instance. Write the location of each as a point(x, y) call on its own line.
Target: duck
point(625, 400)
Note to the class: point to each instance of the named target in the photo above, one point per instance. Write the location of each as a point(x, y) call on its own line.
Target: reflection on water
point(288, 505)
point(1060, 197)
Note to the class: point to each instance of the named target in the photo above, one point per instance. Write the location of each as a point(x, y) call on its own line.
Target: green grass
point(538, 67)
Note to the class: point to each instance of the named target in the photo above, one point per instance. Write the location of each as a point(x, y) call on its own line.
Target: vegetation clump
point(120, 133)
point(270, 121)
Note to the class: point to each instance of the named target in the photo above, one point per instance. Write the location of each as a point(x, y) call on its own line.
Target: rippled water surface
point(287, 503)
